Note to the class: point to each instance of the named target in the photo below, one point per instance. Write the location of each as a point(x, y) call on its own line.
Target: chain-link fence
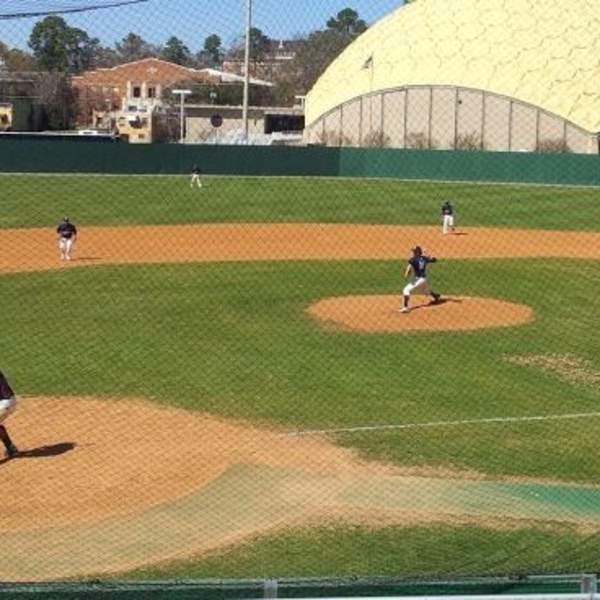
point(319, 301)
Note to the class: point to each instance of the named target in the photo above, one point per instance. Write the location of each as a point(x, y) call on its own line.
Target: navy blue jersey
point(195, 171)
point(66, 230)
point(447, 209)
point(5, 389)
point(419, 264)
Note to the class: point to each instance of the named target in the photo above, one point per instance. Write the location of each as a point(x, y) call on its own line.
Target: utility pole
point(247, 70)
point(182, 94)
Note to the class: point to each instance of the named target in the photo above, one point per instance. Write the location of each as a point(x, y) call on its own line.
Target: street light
point(247, 69)
point(182, 94)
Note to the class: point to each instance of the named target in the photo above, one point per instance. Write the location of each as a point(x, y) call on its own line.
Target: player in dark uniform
point(8, 403)
point(447, 217)
point(67, 234)
point(196, 177)
point(417, 268)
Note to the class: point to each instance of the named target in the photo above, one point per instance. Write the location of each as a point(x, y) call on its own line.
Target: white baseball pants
point(447, 223)
point(7, 407)
point(66, 246)
point(418, 286)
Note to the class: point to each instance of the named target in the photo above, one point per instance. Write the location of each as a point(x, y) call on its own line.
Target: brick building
point(133, 97)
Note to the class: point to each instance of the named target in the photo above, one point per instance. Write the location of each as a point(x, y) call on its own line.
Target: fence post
point(589, 585)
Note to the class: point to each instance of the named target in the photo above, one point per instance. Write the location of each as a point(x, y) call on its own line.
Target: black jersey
point(195, 171)
point(5, 389)
point(419, 265)
point(447, 209)
point(66, 230)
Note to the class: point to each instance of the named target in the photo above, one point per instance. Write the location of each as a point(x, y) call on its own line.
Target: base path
point(35, 249)
point(106, 486)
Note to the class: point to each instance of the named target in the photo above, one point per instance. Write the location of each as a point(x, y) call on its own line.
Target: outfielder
point(447, 217)
point(67, 234)
point(417, 268)
point(196, 177)
point(8, 403)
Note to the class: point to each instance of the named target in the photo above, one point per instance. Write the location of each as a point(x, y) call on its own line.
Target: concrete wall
point(440, 117)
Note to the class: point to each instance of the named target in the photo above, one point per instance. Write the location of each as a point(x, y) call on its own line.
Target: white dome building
point(510, 75)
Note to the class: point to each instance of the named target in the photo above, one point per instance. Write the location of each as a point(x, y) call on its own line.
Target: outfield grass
point(28, 201)
point(439, 551)
point(234, 340)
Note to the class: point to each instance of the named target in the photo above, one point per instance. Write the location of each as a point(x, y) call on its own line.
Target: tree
point(176, 51)
point(315, 53)
point(15, 59)
point(259, 45)
point(59, 47)
point(347, 22)
point(133, 47)
point(105, 57)
point(55, 94)
point(212, 51)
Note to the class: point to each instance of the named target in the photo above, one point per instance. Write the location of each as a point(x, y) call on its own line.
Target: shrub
point(334, 139)
point(552, 146)
point(420, 141)
point(468, 141)
point(376, 139)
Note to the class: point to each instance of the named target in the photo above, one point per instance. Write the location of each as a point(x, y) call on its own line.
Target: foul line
point(444, 424)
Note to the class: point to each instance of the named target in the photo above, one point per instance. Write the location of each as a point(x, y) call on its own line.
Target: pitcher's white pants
point(418, 286)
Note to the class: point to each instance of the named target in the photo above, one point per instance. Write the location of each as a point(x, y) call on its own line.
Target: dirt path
point(35, 249)
point(112, 485)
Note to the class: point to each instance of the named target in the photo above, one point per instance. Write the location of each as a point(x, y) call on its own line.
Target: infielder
point(196, 177)
point(67, 234)
point(447, 217)
point(8, 403)
point(417, 269)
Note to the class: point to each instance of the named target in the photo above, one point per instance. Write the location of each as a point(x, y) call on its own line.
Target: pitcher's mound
point(381, 314)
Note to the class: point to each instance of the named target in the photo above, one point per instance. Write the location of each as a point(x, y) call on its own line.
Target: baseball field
point(220, 383)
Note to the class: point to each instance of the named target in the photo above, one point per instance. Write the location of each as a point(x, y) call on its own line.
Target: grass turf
point(40, 201)
point(233, 339)
point(436, 552)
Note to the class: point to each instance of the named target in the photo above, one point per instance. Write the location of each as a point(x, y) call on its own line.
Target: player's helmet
point(417, 250)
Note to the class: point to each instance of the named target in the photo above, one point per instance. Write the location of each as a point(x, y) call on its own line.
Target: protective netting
point(333, 316)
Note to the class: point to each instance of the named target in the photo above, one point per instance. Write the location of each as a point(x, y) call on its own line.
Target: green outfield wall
point(86, 156)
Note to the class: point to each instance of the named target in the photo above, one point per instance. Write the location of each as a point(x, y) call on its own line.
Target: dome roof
point(543, 53)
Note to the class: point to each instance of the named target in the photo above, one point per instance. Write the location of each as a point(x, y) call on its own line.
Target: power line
point(59, 11)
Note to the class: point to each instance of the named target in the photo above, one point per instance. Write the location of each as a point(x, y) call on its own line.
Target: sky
point(193, 20)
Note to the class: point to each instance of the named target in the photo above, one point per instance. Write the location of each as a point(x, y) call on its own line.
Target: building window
point(137, 92)
point(151, 92)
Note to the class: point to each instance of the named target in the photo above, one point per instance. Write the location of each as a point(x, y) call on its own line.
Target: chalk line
point(431, 424)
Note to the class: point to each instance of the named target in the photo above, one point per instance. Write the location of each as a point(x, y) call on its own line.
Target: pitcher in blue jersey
point(417, 271)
